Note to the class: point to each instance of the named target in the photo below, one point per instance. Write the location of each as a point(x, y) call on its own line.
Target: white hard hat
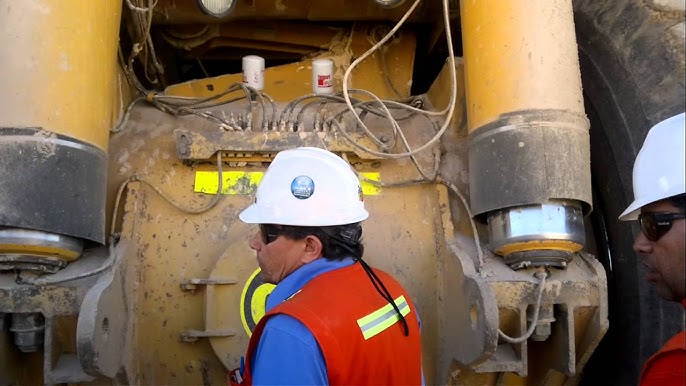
point(659, 167)
point(307, 186)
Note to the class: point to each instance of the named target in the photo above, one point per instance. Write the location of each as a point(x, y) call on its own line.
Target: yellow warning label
point(368, 189)
point(245, 183)
point(233, 182)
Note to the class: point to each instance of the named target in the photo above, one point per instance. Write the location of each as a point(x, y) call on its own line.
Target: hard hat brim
point(631, 212)
point(254, 214)
point(248, 215)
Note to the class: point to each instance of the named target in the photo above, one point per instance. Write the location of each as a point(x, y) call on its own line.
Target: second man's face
point(665, 259)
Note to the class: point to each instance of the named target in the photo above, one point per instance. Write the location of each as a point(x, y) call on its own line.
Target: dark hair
point(338, 241)
point(679, 201)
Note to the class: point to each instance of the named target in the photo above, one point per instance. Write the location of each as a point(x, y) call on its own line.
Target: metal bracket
point(192, 284)
point(58, 366)
point(201, 145)
point(193, 335)
point(101, 331)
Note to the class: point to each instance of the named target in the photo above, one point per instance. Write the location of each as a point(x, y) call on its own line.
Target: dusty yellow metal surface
point(68, 56)
point(454, 166)
point(514, 64)
point(290, 81)
point(440, 92)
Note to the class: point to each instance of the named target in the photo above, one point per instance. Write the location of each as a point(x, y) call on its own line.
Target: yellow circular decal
point(254, 301)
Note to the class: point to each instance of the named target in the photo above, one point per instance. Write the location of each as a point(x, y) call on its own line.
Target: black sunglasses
point(269, 233)
point(656, 224)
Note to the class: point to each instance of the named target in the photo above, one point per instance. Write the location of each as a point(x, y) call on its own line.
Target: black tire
point(632, 68)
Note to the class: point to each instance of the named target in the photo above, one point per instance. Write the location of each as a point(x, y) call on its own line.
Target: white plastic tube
point(253, 71)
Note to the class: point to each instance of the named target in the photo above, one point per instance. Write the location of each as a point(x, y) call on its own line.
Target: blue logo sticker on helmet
point(302, 187)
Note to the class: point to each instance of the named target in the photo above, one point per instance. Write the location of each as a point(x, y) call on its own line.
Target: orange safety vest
point(359, 333)
point(667, 367)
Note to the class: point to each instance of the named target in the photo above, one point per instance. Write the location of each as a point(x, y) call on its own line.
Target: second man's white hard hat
point(307, 186)
point(659, 167)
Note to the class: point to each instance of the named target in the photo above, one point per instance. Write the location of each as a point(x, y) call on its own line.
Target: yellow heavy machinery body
point(129, 144)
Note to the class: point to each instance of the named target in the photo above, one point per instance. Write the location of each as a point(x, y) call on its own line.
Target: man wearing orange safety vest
point(331, 319)
point(660, 206)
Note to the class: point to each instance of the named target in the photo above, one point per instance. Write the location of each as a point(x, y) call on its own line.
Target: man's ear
point(313, 249)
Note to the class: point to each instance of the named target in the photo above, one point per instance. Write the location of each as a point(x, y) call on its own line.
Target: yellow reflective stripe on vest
point(382, 318)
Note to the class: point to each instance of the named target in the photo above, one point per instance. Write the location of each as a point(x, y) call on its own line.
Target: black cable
point(385, 294)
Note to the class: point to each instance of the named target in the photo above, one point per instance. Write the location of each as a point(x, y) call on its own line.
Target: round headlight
point(389, 3)
point(217, 8)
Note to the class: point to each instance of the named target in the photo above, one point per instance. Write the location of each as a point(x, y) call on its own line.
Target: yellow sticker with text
point(245, 183)
point(368, 188)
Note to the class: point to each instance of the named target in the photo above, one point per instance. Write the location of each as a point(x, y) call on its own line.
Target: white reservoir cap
point(253, 71)
point(322, 76)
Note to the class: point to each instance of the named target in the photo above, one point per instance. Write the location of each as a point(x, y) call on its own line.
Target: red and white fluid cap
point(659, 167)
point(307, 186)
